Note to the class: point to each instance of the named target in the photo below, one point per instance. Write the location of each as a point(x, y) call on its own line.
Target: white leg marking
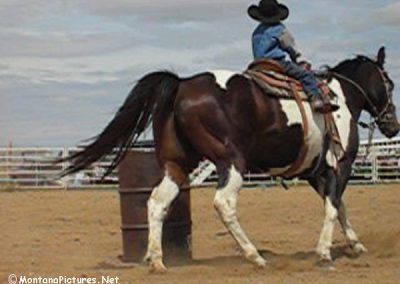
point(225, 202)
point(325, 240)
point(158, 205)
point(351, 236)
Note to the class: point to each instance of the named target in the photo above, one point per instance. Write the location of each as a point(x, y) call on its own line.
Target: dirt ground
point(77, 234)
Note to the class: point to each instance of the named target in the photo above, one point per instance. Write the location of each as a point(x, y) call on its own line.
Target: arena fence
point(34, 168)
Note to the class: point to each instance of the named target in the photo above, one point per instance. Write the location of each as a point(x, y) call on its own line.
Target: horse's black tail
point(154, 92)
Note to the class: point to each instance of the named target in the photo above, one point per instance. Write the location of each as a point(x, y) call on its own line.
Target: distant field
point(77, 233)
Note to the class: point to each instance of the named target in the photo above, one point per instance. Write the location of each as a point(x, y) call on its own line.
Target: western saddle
point(270, 77)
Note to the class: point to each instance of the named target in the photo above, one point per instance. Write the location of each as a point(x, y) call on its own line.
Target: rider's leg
point(307, 78)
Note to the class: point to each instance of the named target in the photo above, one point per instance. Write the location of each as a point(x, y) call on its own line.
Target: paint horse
point(227, 119)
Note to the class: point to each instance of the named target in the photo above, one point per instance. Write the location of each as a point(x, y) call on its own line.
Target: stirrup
point(323, 105)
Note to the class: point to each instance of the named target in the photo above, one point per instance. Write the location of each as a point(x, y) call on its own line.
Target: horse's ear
point(381, 57)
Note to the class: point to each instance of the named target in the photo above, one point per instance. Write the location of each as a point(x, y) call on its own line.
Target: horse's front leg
point(225, 202)
point(351, 236)
point(157, 206)
point(332, 203)
point(345, 167)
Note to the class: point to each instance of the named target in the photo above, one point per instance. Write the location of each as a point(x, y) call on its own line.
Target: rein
point(374, 119)
point(376, 114)
point(371, 130)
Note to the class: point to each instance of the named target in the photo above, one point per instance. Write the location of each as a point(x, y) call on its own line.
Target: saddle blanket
point(269, 77)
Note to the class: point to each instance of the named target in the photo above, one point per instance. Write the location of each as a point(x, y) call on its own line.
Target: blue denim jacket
point(276, 42)
point(273, 42)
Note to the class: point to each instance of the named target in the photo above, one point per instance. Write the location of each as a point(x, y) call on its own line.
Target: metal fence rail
point(34, 168)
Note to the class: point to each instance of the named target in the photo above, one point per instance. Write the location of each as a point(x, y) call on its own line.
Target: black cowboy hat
point(268, 11)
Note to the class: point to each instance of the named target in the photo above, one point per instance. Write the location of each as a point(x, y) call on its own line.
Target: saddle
point(270, 77)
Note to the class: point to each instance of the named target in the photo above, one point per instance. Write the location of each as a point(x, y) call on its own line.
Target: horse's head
point(381, 92)
point(372, 80)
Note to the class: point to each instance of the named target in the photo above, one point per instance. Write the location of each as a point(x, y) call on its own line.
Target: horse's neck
point(352, 92)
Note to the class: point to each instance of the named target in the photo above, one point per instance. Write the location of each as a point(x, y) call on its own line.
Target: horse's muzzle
point(389, 125)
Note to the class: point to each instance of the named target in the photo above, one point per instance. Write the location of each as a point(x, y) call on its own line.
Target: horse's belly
point(313, 137)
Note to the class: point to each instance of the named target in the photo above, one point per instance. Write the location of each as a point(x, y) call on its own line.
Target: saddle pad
point(281, 86)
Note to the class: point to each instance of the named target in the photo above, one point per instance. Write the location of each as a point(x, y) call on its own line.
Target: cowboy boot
point(332, 104)
point(322, 104)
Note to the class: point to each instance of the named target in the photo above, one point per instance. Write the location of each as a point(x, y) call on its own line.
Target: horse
point(227, 119)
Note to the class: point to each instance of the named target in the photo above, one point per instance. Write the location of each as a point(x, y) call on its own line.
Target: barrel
point(138, 173)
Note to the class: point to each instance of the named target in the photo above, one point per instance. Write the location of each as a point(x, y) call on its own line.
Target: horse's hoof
point(358, 248)
point(146, 259)
point(326, 264)
point(260, 262)
point(156, 266)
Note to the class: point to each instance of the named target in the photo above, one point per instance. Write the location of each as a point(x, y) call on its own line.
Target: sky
point(67, 65)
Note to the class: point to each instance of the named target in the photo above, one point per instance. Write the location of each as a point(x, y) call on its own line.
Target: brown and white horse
point(227, 119)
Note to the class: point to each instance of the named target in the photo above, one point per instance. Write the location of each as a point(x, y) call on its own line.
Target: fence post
point(65, 180)
point(374, 162)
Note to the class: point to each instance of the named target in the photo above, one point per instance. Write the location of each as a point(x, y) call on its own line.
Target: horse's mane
point(354, 62)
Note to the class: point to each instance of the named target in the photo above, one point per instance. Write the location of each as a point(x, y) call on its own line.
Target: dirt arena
point(77, 234)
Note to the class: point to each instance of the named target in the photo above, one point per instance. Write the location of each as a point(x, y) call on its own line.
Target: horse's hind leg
point(225, 203)
point(348, 231)
point(210, 133)
point(227, 160)
point(157, 206)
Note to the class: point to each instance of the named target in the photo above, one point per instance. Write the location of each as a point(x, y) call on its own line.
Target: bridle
point(377, 116)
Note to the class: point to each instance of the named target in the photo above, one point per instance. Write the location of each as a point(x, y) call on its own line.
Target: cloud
point(71, 62)
point(172, 11)
point(389, 15)
point(60, 44)
point(57, 114)
point(364, 17)
point(15, 13)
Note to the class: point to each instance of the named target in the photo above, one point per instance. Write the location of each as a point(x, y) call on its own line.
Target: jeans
point(307, 78)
